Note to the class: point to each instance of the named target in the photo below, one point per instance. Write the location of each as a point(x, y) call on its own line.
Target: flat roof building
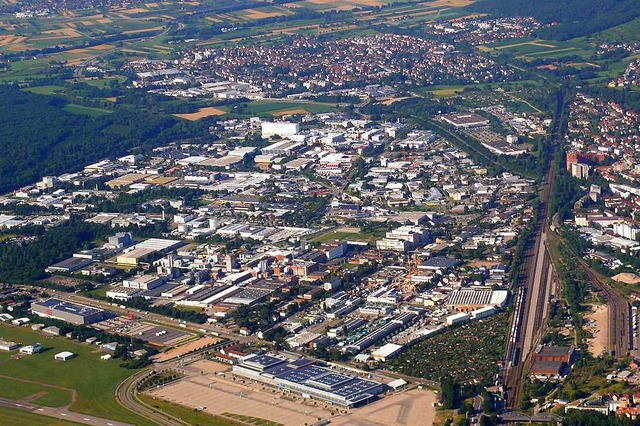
point(386, 352)
point(66, 311)
point(309, 379)
point(69, 265)
point(465, 121)
point(64, 356)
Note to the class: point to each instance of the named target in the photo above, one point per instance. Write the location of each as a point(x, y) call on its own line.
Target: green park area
point(51, 380)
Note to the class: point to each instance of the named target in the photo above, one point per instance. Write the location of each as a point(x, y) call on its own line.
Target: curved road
point(126, 395)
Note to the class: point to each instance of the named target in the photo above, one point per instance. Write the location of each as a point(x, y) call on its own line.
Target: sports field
point(95, 387)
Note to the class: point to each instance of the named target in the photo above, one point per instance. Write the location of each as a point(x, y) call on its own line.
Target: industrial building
point(386, 352)
point(66, 311)
point(69, 265)
point(279, 128)
point(465, 121)
point(311, 380)
point(473, 298)
point(378, 334)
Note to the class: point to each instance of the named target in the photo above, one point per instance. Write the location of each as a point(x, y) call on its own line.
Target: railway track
point(530, 310)
point(619, 342)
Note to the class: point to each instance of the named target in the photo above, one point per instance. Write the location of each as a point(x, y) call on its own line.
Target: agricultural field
point(95, 387)
point(202, 113)
point(541, 49)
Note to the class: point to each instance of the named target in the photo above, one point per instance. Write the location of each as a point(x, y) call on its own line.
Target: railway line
point(620, 336)
point(531, 305)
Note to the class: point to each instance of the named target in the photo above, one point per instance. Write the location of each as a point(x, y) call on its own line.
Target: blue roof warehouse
point(306, 377)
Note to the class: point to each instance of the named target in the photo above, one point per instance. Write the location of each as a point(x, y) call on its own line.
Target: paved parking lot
point(158, 335)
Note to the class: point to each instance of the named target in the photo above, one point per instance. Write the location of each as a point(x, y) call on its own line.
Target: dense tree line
point(44, 139)
point(575, 18)
point(25, 262)
point(594, 418)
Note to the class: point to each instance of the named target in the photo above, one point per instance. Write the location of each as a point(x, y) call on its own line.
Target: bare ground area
point(598, 326)
point(206, 387)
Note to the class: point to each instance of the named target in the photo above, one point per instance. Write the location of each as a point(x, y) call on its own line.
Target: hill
point(575, 18)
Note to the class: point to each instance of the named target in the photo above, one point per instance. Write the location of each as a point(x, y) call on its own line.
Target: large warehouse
point(304, 376)
point(66, 311)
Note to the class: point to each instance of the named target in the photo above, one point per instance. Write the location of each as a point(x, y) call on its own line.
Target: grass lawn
point(13, 417)
point(350, 236)
point(94, 380)
point(103, 83)
point(17, 390)
point(189, 415)
point(85, 110)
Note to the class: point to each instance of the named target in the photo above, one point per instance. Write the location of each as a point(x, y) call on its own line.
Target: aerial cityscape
point(319, 212)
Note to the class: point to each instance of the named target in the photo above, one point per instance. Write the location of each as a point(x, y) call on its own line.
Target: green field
point(349, 236)
point(530, 49)
point(45, 90)
point(103, 83)
point(51, 397)
point(85, 110)
point(94, 380)
point(14, 417)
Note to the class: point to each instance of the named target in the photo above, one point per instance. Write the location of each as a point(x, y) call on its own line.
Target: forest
point(575, 18)
point(43, 139)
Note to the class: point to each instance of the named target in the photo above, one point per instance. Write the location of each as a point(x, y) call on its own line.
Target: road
point(126, 396)
point(61, 413)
